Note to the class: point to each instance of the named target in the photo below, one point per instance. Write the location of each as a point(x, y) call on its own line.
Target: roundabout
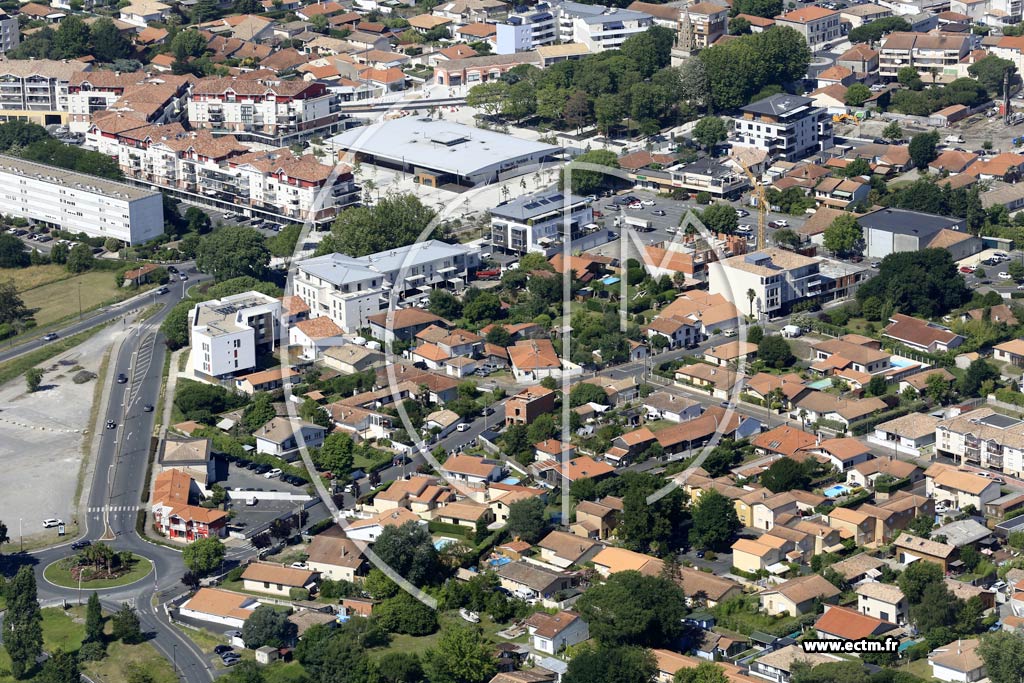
point(59, 575)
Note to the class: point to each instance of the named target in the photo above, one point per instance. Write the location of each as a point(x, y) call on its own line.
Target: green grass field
point(62, 577)
point(59, 299)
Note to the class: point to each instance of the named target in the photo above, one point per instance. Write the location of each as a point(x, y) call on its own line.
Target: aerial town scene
point(481, 341)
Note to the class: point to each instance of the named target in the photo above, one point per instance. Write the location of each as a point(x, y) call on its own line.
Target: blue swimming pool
point(442, 541)
point(511, 481)
point(821, 384)
point(835, 491)
point(901, 362)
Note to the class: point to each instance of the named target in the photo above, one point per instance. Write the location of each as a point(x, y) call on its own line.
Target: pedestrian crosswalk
point(117, 508)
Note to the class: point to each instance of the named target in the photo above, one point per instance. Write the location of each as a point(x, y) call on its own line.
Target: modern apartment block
point(778, 278)
point(10, 33)
point(36, 90)
point(271, 112)
point(225, 334)
point(77, 202)
point(537, 222)
point(703, 23)
point(819, 27)
point(934, 55)
point(983, 437)
point(220, 171)
point(789, 127)
point(596, 26)
point(151, 99)
point(350, 290)
point(609, 29)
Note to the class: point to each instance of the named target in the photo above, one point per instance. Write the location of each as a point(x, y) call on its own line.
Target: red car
point(598, 214)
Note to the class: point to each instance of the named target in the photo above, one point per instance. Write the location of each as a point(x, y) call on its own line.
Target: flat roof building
point(439, 152)
point(77, 202)
point(225, 334)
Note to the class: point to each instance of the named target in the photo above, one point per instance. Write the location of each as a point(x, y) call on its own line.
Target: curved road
point(113, 499)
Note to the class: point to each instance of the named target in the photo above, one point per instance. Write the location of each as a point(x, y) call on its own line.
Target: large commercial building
point(36, 89)
point(890, 231)
point(789, 127)
point(537, 222)
point(437, 152)
point(350, 290)
point(79, 203)
point(225, 334)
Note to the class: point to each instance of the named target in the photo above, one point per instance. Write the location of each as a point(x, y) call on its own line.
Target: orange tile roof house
point(534, 359)
point(217, 606)
point(471, 469)
point(174, 513)
point(555, 473)
point(797, 596)
point(920, 334)
point(840, 623)
point(334, 556)
point(551, 633)
point(275, 579)
point(371, 528)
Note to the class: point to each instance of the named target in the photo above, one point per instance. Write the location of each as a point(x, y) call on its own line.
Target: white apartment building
point(225, 334)
point(10, 34)
point(536, 222)
point(996, 13)
point(789, 127)
point(608, 30)
point(36, 89)
point(220, 171)
point(819, 26)
point(522, 32)
point(153, 99)
point(983, 437)
point(349, 290)
point(936, 56)
point(778, 278)
point(272, 112)
point(79, 203)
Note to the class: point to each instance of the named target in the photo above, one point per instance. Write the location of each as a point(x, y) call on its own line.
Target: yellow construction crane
point(762, 204)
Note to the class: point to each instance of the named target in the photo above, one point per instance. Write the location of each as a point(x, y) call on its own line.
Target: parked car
point(1004, 276)
point(876, 264)
point(658, 212)
point(779, 224)
point(648, 202)
point(182, 276)
point(276, 472)
point(50, 523)
point(742, 213)
point(462, 427)
point(222, 649)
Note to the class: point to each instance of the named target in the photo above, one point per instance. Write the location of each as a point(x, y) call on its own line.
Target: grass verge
point(18, 366)
point(62, 577)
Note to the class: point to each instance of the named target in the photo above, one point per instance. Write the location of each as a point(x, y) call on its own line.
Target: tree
point(460, 656)
point(126, 626)
point(108, 44)
point(709, 131)
point(13, 252)
point(633, 609)
point(785, 474)
point(936, 608)
point(705, 672)
point(873, 31)
point(187, 44)
point(990, 72)
point(259, 411)
point(922, 149)
point(609, 111)
point(33, 377)
point(23, 632)
point(233, 251)
point(80, 258)
point(650, 50)
point(877, 386)
point(336, 455)
point(93, 620)
point(409, 550)
point(857, 94)
point(482, 307)
point(720, 218)
point(657, 527)
point(400, 667)
point(498, 335)
point(586, 181)
point(391, 223)
point(71, 39)
point(204, 555)
point(405, 614)
point(488, 97)
point(246, 671)
point(1016, 270)
point(61, 667)
point(738, 26)
point(443, 303)
point(12, 308)
point(267, 626)
point(714, 520)
point(774, 351)
point(612, 665)
point(923, 283)
point(1003, 654)
point(916, 577)
point(311, 411)
point(908, 77)
point(978, 372)
point(584, 393)
point(844, 236)
point(893, 131)
point(527, 520)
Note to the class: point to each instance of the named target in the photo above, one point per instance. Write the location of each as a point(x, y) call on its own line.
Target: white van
point(954, 139)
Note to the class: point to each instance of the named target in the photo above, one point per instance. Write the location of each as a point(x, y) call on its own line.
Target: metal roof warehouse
point(440, 152)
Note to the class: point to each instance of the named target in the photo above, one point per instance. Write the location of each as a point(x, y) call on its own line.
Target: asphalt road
point(107, 313)
point(114, 499)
